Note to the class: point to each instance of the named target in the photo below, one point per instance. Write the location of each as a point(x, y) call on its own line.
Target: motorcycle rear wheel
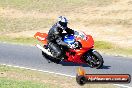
point(50, 58)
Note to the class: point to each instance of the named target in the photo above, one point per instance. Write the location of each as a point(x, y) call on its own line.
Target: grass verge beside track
point(101, 46)
point(12, 77)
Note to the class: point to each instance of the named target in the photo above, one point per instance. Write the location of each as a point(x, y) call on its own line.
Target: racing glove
point(74, 46)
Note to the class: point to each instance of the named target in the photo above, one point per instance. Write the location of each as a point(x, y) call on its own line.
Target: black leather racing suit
point(55, 40)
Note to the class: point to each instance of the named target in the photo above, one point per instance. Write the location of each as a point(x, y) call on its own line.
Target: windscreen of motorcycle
point(69, 39)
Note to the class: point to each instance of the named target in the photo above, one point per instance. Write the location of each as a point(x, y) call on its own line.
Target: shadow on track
point(83, 65)
point(105, 67)
point(72, 64)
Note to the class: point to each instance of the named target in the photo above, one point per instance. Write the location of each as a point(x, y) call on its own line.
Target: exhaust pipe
point(44, 50)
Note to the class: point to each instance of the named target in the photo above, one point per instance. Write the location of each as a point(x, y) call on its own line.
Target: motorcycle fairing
point(41, 37)
point(87, 44)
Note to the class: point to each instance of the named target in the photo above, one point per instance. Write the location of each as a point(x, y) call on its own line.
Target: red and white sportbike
point(84, 53)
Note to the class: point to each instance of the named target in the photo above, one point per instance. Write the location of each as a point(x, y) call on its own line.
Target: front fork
point(89, 56)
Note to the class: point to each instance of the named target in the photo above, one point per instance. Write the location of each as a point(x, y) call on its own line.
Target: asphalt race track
point(30, 57)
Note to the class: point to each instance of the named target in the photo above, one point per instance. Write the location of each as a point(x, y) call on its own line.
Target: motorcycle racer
point(55, 36)
point(57, 44)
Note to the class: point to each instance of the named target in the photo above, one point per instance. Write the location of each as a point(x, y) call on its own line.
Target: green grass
point(52, 5)
point(103, 45)
point(112, 49)
point(19, 40)
point(11, 83)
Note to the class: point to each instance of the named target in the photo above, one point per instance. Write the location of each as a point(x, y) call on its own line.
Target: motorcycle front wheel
point(94, 59)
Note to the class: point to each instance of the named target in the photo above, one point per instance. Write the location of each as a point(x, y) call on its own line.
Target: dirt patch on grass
point(14, 13)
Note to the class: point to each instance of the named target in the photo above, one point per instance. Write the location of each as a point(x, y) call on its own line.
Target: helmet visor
point(63, 24)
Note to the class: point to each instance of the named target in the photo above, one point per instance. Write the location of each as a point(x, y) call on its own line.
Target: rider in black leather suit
point(55, 37)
